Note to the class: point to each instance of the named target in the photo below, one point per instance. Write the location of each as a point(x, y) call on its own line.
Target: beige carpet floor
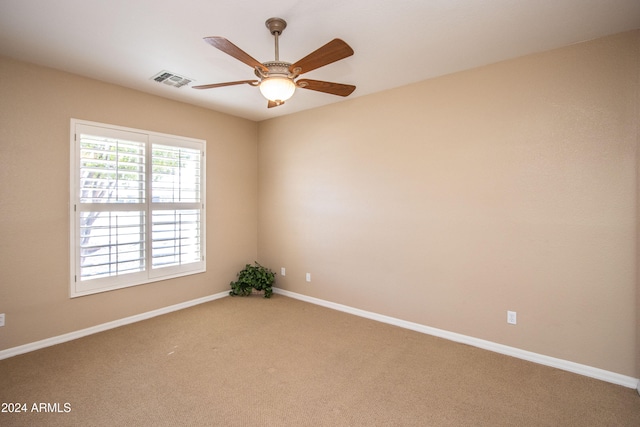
point(283, 362)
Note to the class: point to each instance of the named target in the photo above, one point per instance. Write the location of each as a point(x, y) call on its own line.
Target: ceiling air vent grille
point(171, 79)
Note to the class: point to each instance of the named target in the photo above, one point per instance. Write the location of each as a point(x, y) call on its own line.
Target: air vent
point(171, 79)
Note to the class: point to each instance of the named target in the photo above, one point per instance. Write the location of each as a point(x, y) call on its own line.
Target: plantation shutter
point(111, 211)
point(138, 207)
point(176, 204)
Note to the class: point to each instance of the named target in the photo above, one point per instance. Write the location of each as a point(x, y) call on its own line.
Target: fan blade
point(214, 85)
point(326, 87)
point(272, 104)
point(333, 51)
point(231, 49)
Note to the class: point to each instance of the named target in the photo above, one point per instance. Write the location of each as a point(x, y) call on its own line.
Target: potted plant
point(253, 277)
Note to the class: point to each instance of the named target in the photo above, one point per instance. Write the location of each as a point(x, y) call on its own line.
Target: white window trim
point(80, 288)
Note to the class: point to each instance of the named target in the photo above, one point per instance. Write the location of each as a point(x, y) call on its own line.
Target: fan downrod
point(276, 25)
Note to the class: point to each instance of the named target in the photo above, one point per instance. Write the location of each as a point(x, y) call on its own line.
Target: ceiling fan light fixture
point(277, 89)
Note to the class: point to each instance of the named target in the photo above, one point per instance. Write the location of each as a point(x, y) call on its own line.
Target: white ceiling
point(126, 42)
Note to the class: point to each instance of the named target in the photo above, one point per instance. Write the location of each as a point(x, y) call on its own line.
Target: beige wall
point(450, 201)
point(36, 105)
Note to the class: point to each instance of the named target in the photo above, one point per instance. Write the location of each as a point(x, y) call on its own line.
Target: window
point(137, 207)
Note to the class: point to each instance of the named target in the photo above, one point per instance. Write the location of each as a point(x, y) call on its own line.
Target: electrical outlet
point(1, 319)
point(283, 272)
point(512, 317)
point(308, 277)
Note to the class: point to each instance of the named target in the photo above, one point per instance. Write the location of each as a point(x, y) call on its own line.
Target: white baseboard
point(565, 365)
point(14, 351)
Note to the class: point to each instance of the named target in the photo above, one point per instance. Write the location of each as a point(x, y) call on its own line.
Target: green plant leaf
point(252, 277)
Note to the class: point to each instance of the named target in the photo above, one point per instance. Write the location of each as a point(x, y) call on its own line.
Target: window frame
point(149, 274)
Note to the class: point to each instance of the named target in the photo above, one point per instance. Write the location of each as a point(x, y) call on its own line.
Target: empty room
point(445, 194)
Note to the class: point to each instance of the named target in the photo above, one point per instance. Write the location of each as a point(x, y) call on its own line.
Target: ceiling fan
point(277, 78)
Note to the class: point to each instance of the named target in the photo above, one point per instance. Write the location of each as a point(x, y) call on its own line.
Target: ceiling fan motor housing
point(276, 68)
